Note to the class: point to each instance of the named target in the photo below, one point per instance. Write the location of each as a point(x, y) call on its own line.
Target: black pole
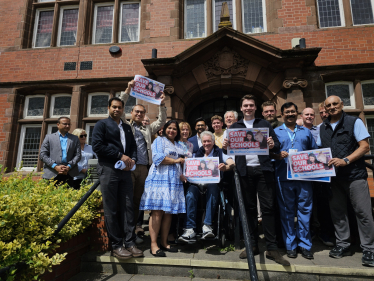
point(247, 236)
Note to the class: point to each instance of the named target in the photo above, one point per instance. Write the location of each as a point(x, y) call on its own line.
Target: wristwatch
point(346, 160)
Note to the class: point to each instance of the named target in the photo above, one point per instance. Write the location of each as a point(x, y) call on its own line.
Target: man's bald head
point(308, 116)
point(334, 105)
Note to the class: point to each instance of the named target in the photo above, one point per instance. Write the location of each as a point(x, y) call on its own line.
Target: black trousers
point(62, 179)
point(117, 192)
point(262, 183)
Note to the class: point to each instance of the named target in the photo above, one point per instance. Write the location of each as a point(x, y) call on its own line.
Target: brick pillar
point(75, 113)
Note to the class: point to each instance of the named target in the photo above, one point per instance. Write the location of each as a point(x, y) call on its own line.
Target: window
point(43, 28)
point(344, 90)
point(60, 105)
point(103, 23)
point(368, 93)
point(52, 128)
point(89, 130)
point(97, 104)
point(68, 26)
point(253, 16)
point(330, 13)
point(195, 19)
point(370, 127)
point(362, 11)
point(129, 22)
point(28, 150)
point(131, 101)
point(34, 107)
point(217, 7)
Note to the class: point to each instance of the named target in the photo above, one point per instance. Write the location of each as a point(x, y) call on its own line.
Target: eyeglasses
point(83, 136)
point(139, 112)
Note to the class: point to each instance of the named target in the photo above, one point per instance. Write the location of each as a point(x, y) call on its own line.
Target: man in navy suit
point(113, 140)
point(200, 126)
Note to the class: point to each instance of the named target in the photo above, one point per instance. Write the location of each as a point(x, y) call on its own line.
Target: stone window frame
point(27, 100)
point(351, 88)
point(53, 98)
point(89, 102)
point(342, 15)
point(61, 13)
point(362, 91)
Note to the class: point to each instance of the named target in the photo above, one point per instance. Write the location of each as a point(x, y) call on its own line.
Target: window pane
point(90, 135)
point(54, 130)
point(362, 12)
point(370, 124)
point(129, 104)
point(253, 16)
point(368, 93)
point(99, 104)
point(130, 23)
point(104, 23)
point(329, 13)
point(195, 18)
point(217, 9)
point(35, 107)
point(30, 151)
point(44, 31)
point(341, 91)
point(62, 106)
point(69, 27)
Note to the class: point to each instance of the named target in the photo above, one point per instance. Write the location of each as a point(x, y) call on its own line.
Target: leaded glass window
point(370, 126)
point(68, 27)
point(362, 12)
point(343, 90)
point(61, 106)
point(368, 93)
point(129, 104)
point(30, 146)
point(195, 19)
point(329, 13)
point(34, 107)
point(43, 30)
point(103, 24)
point(253, 16)
point(130, 22)
point(98, 104)
point(89, 130)
point(217, 12)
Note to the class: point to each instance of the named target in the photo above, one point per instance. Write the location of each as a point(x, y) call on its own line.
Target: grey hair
point(340, 100)
point(207, 133)
point(233, 111)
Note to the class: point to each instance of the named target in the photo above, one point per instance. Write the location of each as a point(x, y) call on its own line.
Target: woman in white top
point(87, 154)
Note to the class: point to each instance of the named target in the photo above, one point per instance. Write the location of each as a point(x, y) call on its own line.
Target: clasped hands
point(62, 169)
point(128, 162)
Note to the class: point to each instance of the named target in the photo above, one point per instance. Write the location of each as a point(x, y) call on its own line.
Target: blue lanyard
point(292, 137)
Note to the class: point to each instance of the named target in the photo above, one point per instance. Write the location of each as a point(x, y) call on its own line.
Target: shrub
point(30, 211)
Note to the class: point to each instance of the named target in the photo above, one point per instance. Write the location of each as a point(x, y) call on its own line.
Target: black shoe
point(292, 254)
point(255, 251)
point(159, 253)
point(171, 249)
point(368, 258)
point(277, 257)
point(306, 253)
point(338, 252)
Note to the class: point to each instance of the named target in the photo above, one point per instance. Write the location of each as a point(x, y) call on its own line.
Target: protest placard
point(202, 170)
point(311, 164)
point(248, 141)
point(289, 176)
point(147, 89)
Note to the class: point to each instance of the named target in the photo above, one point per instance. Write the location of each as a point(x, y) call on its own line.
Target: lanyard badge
point(292, 137)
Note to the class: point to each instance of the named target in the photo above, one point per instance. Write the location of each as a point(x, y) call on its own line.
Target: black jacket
point(106, 142)
point(265, 161)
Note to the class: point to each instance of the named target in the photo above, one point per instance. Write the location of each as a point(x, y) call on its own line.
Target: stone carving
point(225, 16)
point(226, 62)
point(169, 90)
point(295, 82)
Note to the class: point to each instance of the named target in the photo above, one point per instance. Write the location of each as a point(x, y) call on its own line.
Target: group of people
point(151, 177)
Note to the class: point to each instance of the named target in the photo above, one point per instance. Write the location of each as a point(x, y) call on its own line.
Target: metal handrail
point(368, 156)
point(246, 234)
point(5, 270)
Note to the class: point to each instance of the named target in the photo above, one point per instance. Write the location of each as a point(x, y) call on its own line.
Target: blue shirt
point(303, 141)
point(63, 143)
point(360, 132)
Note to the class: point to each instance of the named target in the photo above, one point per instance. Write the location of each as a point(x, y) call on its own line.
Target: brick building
point(55, 60)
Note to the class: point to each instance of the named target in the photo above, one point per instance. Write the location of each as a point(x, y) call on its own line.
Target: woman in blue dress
point(163, 189)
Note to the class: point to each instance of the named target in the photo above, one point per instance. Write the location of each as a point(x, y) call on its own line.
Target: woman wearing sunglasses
point(87, 154)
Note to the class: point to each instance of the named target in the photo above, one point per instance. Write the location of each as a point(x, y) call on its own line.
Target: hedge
point(30, 211)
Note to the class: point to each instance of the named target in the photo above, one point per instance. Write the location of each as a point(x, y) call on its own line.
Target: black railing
point(5, 270)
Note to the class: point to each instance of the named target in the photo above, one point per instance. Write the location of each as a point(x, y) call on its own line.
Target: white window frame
point(233, 20)
point(60, 24)
point(372, 8)
point(362, 91)
point(351, 92)
point(265, 28)
point(94, 22)
point(53, 99)
point(87, 129)
point(185, 21)
point(37, 14)
point(20, 146)
point(90, 101)
point(49, 128)
point(118, 94)
point(27, 99)
point(120, 21)
point(341, 11)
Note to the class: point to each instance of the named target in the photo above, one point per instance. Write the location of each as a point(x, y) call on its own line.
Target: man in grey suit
point(61, 153)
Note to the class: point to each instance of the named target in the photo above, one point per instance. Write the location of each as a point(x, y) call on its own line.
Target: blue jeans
point(192, 197)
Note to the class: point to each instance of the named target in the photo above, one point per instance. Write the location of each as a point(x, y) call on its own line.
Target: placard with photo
point(248, 141)
point(147, 89)
point(202, 170)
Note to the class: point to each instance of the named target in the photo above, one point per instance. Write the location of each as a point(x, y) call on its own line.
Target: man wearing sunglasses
point(61, 153)
point(142, 134)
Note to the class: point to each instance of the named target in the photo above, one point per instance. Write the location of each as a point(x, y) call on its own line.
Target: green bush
point(30, 211)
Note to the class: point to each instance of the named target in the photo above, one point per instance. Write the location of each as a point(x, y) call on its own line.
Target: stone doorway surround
point(234, 62)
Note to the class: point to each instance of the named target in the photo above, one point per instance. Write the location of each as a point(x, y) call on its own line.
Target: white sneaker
point(138, 240)
point(207, 231)
point(188, 236)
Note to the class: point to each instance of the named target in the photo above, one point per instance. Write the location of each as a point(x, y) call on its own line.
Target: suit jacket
point(50, 153)
point(193, 140)
point(106, 142)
